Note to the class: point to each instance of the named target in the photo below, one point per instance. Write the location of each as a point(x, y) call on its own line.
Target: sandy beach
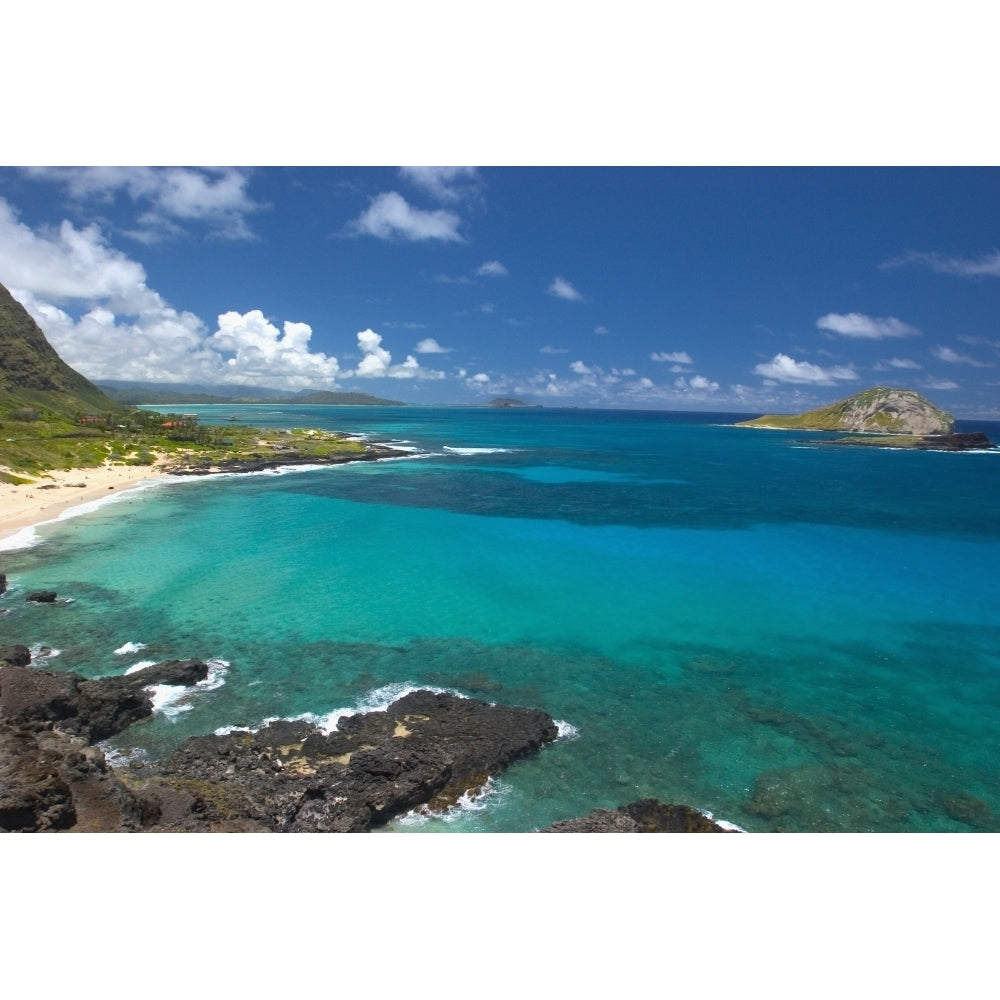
point(58, 490)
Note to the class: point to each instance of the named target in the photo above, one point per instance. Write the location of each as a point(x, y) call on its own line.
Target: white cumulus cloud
point(430, 346)
point(491, 269)
point(125, 330)
point(377, 361)
point(389, 216)
point(69, 264)
point(782, 368)
point(859, 326)
point(679, 357)
point(263, 355)
point(697, 382)
point(562, 289)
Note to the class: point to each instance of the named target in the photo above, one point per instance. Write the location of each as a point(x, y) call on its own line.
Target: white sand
point(30, 504)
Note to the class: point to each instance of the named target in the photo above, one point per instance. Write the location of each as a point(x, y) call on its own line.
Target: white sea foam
point(478, 451)
point(26, 538)
point(724, 823)
point(226, 730)
point(172, 699)
point(42, 654)
point(129, 647)
point(122, 758)
point(567, 731)
point(408, 457)
point(491, 794)
point(141, 665)
point(376, 700)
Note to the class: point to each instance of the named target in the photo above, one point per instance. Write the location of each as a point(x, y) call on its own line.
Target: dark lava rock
point(3, 583)
point(50, 777)
point(426, 748)
point(18, 655)
point(93, 709)
point(41, 597)
point(51, 780)
point(644, 816)
point(974, 441)
point(259, 463)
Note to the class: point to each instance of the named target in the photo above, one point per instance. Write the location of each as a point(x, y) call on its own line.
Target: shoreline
point(57, 491)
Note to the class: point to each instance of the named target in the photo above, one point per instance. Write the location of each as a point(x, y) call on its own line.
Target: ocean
point(786, 635)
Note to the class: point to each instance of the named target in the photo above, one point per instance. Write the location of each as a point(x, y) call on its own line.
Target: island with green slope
point(881, 417)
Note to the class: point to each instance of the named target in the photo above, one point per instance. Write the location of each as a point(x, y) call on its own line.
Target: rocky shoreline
point(372, 453)
point(968, 441)
point(425, 751)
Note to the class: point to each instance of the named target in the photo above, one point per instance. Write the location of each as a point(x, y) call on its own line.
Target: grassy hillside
point(44, 402)
point(34, 377)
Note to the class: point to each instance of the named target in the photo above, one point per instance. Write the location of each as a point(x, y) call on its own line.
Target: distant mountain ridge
point(178, 394)
point(877, 411)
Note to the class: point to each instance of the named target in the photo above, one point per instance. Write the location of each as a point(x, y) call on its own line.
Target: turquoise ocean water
point(787, 635)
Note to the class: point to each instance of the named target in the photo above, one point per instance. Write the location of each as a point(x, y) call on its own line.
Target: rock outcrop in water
point(91, 709)
point(426, 749)
point(372, 453)
point(644, 816)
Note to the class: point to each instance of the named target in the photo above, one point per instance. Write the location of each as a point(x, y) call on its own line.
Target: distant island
point(895, 418)
point(508, 402)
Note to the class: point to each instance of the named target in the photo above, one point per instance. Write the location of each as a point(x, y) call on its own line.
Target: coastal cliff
point(880, 410)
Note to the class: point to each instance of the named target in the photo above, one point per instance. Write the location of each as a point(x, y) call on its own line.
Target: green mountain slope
point(34, 377)
point(880, 410)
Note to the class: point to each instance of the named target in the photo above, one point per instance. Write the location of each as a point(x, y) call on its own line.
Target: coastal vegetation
point(51, 417)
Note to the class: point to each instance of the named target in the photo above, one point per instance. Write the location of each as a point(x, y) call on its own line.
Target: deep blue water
point(788, 635)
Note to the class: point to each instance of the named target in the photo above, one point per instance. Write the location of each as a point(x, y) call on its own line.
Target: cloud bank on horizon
point(568, 286)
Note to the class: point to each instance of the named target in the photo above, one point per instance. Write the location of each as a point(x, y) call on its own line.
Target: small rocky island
point(881, 417)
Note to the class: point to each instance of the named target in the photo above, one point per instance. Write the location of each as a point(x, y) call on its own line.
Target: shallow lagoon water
point(788, 635)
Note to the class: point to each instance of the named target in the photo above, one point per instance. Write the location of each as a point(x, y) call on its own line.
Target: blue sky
point(741, 288)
